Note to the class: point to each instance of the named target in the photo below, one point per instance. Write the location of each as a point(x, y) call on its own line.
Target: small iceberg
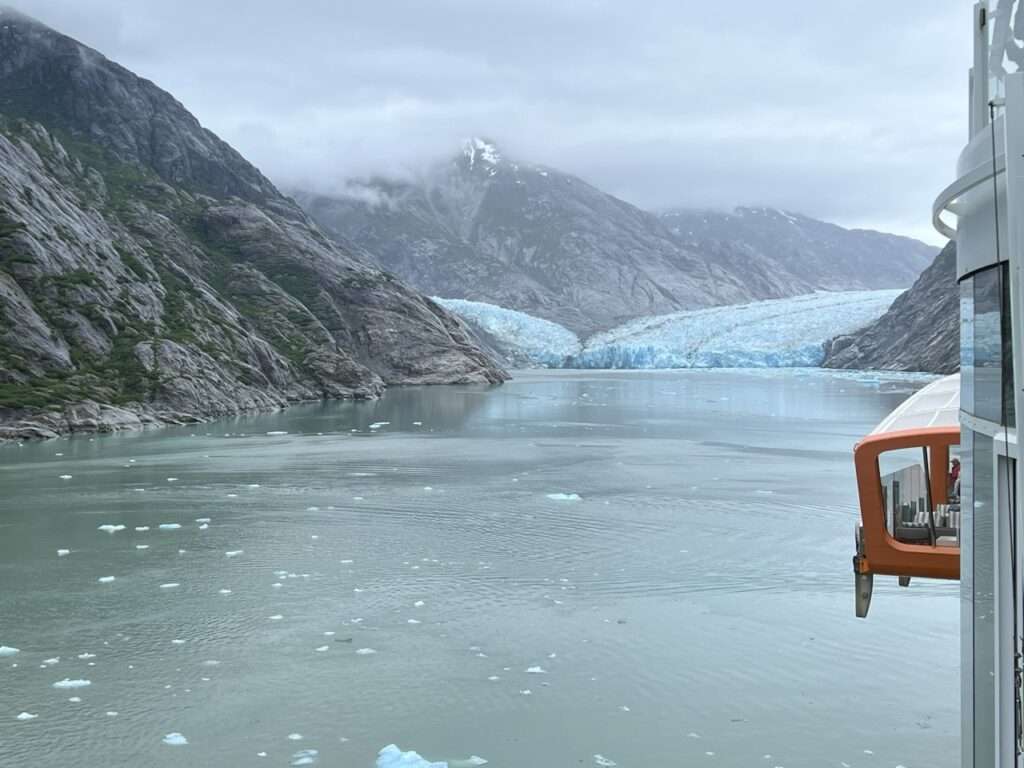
point(392, 757)
point(305, 757)
point(234, 553)
point(276, 433)
point(536, 671)
point(105, 579)
point(63, 552)
point(108, 528)
point(141, 528)
point(170, 585)
point(67, 684)
point(142, 546)
point(175, 740)
point(604, 762)
point(564, 496)
point(169, 526)
point(65, 477)
point(365, 652)
point(202, 519)
point(24, 716)
point(6, 650)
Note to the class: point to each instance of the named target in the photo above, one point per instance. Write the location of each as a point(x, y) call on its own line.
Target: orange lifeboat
point(909, 488)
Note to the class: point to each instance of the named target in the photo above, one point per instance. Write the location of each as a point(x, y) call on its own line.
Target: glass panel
point(1009, 406)
point(967, 598)
point(988, 346)
point(967, 345)
point(984, 604)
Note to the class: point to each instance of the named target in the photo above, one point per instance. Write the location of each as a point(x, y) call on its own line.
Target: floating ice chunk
point(347, 562)
point(526, 692)
point(108, 528)
point(65, 477)
point(233, 553)
point(223, 591)
point(604, 762)
point(379, 424)
point(202, 519)
point(277, 585)
point(295, 736)
point(536, 670)
point(105, 579)
point(175, 740)
point(142, 546)
point(312, 509)
point(204, 526)
point(418, 604)
point(63, 552)
point(417, 423)
point(211, 663)
point(232, 495)
point(392, 757)
point(68, 683)
point(414, 621)
point(6, 650)
point(275, 617)
point(170, 585)
point(563, 496)
point(365, 652)
point(427, 488)
point(51, 662)
point(75, 699)
point(170, 526)
point(276, 432)
point(172, 479)
point(177, 641)
point(111, 713)
point(253, 485)
point(494, 678)
point(141, 528)
point(24, 716)
point(85, 656)
point(261, 754)
point(322, 648)
point(305, 757)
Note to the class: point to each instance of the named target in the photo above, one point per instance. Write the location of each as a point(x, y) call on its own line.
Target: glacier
point(542, 341)
point(776, 333)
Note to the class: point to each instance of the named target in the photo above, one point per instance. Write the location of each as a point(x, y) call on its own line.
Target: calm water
point(693, 608)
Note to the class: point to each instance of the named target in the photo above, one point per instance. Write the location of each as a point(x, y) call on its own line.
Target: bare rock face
point(149, 274)
point(920, 332)
point(486, 228)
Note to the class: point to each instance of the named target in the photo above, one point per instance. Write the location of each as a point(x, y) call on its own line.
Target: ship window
point(967, 345)
point(990, 347)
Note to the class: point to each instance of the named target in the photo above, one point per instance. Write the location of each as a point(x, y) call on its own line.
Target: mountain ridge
point(149, 274)
point(481, 226)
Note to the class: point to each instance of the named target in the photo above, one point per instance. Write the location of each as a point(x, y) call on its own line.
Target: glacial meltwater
point(642, 569)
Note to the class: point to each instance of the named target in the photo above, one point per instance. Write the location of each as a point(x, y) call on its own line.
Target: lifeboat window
point(918, 508)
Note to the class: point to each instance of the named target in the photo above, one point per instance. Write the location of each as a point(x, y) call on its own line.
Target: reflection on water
point(417, 570)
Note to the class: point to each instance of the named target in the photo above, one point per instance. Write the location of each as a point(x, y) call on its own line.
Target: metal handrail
point(976, 176)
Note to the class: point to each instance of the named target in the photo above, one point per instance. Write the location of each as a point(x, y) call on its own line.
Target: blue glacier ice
point(778, 333)
point(544, 342)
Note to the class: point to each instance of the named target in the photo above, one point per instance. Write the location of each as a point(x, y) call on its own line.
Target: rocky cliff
point(148, 273)
point(487, 228)
point(920, 332)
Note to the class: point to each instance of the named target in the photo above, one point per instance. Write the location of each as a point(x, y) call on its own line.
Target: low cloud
point(850, 111)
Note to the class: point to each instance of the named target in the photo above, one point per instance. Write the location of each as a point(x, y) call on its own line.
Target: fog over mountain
point(844, 111)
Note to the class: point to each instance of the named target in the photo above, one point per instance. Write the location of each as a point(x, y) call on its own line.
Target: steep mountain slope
point(149, 273)
point(829, 256)
point(920, 332)
point(530, 238)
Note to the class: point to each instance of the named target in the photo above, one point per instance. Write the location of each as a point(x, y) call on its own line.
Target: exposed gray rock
point(920, 332)
point(149, 274)
point(485, 228)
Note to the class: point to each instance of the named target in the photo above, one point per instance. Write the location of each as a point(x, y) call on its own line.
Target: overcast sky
point(850, 110)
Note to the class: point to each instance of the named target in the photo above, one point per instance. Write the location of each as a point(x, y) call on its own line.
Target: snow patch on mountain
point(779, 333)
